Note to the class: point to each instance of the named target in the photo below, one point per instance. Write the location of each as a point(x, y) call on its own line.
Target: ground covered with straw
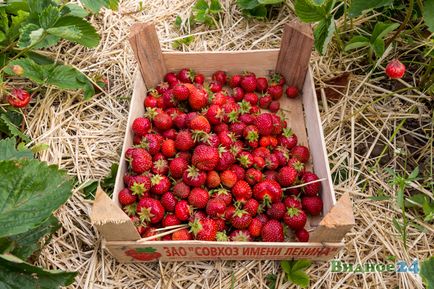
point(362, 122)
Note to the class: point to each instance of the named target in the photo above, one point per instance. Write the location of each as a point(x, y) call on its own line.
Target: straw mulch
point(85, 138)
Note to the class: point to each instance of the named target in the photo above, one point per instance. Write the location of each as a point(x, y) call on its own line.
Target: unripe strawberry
point(395, 69)
point(18, 69)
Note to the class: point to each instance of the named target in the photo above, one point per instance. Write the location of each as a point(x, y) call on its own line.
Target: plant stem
point(338, 39)
point(403, 24)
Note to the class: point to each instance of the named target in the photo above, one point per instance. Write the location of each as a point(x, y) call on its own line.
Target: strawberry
point(18, 98)
point(170, 220)
point(215, 207)
point(240, 236)
point(263, 218)
point(278, 124)
point(181, 92)
point(235, 80)
point(141, 126)
point(170, 77)
point(242, 191)
point(264, 123)
point(261, 84)
point(267, 191)
point(168, 201)
point(287, 176)
point(237, 128)
point(302, 235)
point(141, 161)
point(251, 98)
point(215, 87)
point(205, 157)
point(277, 79)
point(239, 171)
point(251, 206)
point(221, 224)
point(245, 159)
point(168, 148)
point(212, 179)
point(226, 139)
point(395, 69)
point(179, 121)
point(194, 177)
point(292, 202)
point(264, 102)
point(181, 190)
point(310, 189)
point(272, 231)
point(297, 165)
point(274, 106)
point(197, 215)
point(152, 143)
point(200, 123)
point(225, 161)
point(301, 153)
point(247, 118)
point(228, 178)
point(229, 212)
point(276, 211)
point(160, 166)
point(253, 176)
point(198, 198)
point(182, 210)
point(261, 152)
point(248, 83)
point(182, 235)
point(199, 78)
point(184, 140)
point(291, 91)
point(241, 219)
point(198, 98)
point(275, 91)
point(150, 210)
point(255, 227)
point(169, 134)
point(186, 75)
point(162, 121)
point(288, 139)
point(149, 232)
point(204, 229)
point(219, 98)
point(220, 77)
point(139, 185)
point(312, 205)
point(177, 167)
point(160, 184)
point(18, 69)
point(185, 155)
point(125, 197)
point(282, 155)
point(295, 218)
point(272, 162)
point(238, 94)
point(215, 114)
point(223, 195)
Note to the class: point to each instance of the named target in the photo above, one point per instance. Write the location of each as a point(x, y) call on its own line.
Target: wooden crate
point(302, 114)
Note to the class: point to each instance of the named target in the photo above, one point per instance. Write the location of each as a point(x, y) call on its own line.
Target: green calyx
point(293, 212)
point(150, 112)
point(137, 189)
point(195, 227)
point(222, 237)
point(287, 132)
point(245, 107)
point(130, 210)
point(156, 179)
point(145, 215)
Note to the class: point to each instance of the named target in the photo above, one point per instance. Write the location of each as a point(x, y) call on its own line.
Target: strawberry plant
point(295, 271)
point(257, 8)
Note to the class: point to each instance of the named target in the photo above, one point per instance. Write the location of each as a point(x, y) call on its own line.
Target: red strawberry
point(287, 176)
point(170, 77)
point(261, 84)
point(240, 236)
point(272, 162)
point(225, 161)
point(177, 167)
point(204, 229)
point(198, 198)
point(229, 212)
point(220, 77)
point(18, 97)
point(125, 197)
point(182, 235)
point(272, 231)
point(251, 206)
point(197, 215)
point(264, 102)
point(310, 189)
point(301, 153)
point(205, 157)
point(160, 184)
point(194, 177)
point(267, 191)
point(223, 195)
point(241, 219)
point(162, 121)
point(152, 143)
point(184, 140)
point(276, 211)
point(170, 220)
point(255, 227)
point(228, 178)
point(291, 91)
point(237, 128)
point(181, 190)
point(277, 79)
point(169, 134)
point(253, 176)
point(199, 78)
point(182, 210)
point(239, 172)
point(181, 92)
point(168, 148)
point(248, 83)
point(216, 207)
point(215, 114)
point(275, 91)
point(263, 218)
point(212, 179)
point(238, 94)
point(160, 166)
point(168, 201)
point(198, 98)
point(247, 118)
point(242, 191)
point(288, 139)
point(139, 185)
point(292, 202)
point(395, 69)
point(221, 225)
point(274, 106)
point(264, 123)
point(141, 126)
point(219, 98)
point(141, 161)
point(200, 123)
point(278, 124)
point(251, 98)
point(179, 120)
point(150, 210)
point(312, 205)
point(282, 155)
point(235, 80)
point(215, 87)
point(186, 75)
point(295, 218)
point(302, 235)
point(296, 164)
point(245, 159)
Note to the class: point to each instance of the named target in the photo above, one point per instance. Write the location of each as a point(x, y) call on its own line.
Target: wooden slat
point(295, 51)
point(337, 223)
point(261, 62)
point(146, 46)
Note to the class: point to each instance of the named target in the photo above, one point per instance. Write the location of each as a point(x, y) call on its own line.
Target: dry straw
point(85, 138)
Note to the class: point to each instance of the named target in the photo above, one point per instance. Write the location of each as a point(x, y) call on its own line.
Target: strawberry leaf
point(9, 152)
point(358, 6)
point(96, 5)
point(427, 272)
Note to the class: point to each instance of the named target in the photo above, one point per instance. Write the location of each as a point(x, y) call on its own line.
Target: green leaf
point(270, 2)
point(17, 21)
point(413, 175)
point(8, 151)
point(323, 34)
point(286, 267)
point(96, 5)
point(271, 280)
point(37, 148)
point(259, 12)
point(25, 244)
point(30, 35)
point(30, 191)
point(75, 10)
point(310, 11)
point(416, 200)
point(427, 272)
point(215, 6)
point(37, 6)
point(200, 16)
point(49, 17)
point(201, 5)
point(71, 32)
point(378, 47)
point(382, 29)
point(299, 278)
point(33, 71)
point(2, 36)
point(247, 4)
point(178, 21)
point(89, 36)
point(428, 14)
point(358, 6)
point(301, 265)
point(16, 274)
point(12, 128)
point(357, 42)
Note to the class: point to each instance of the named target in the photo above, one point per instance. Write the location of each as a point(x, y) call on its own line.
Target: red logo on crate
point(143, 254)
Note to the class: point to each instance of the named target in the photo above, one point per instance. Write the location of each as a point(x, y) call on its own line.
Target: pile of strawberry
point(205, 155)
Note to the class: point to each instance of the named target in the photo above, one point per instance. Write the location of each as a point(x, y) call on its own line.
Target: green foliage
point(428, 14)
point(10, 121)
point(257, 8)
point(17, 274)
point(183, 41)
point(107, 184)
point(271, 280)
point(427, 272)
point(204, 12)
point(295, 271)
point(358, 6)
point(9, 152)
point(96, 5)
